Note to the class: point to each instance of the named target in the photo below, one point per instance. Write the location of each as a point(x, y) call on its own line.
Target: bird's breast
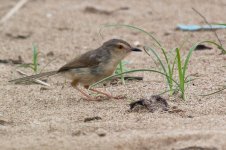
point(109, 68)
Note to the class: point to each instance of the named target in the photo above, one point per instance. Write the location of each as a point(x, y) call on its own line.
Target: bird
point(91, 67)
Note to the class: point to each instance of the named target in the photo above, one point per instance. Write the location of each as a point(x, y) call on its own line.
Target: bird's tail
point(36, 76)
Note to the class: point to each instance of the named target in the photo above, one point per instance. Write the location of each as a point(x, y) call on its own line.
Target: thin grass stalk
point(180, 72)
point(121, 70)
point(132, 71)
point(35, 58)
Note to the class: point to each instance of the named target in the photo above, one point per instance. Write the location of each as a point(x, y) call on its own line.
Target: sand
point(33, 117)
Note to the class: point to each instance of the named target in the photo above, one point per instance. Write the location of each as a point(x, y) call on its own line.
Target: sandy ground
point(33, 118)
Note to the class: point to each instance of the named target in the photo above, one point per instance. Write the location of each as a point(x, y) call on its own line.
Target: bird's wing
point(89, 59)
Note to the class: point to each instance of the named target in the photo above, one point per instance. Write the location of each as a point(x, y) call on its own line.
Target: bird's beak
point(136, 49)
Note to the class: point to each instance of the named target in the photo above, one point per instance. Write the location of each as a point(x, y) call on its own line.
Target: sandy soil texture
point(55, 117)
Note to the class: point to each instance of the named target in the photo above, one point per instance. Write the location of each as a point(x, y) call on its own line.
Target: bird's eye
point(120, 46)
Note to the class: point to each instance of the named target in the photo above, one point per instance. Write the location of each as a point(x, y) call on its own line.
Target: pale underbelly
point(87, 76)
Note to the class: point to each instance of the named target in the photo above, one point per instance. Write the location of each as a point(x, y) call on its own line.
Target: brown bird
point(91, 66)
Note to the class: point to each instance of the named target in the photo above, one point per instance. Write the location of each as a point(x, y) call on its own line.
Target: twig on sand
point(34, 80)
point(13, 11)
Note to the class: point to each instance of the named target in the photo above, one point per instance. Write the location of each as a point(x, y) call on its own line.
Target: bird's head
point(119, 48)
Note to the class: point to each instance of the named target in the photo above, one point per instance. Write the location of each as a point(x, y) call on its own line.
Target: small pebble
point(49, 15)
point(137, 44)
point(101, 132)
point(92, 118)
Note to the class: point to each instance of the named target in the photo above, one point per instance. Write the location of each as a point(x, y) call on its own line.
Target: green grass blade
point(35, 58)
point(180, 72)
point(222, 24)
point(158, 58)
point(173, 65)
point(132, 71)
point(193, 48)
point(151, 56)
point(188, 57)
point(169, 74)
point(121, 70)
point(172, 72)
point(223, 51)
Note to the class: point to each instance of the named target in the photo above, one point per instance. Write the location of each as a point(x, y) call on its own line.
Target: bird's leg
point(83, 93)
point(75, 85)
point(103, 93)
point(100, 92)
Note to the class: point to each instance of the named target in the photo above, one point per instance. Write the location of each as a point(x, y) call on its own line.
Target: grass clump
point(34, 65)
point(176, 81)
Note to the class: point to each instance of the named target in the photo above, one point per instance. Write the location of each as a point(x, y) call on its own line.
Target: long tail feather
point(36, 76)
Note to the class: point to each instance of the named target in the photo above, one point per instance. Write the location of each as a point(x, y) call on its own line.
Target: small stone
point(49, 15)
point(189, 116)
point(167, 33)
point(43, 88)
point(78, 133)
point(137, 44)
point(92, 118)
point(101, 132)
point(4, 121)
point(50, 54)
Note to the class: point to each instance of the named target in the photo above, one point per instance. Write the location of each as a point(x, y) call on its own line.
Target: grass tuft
point(35, 58)
point(167, 64)
point(34, 65)
point(120, 69)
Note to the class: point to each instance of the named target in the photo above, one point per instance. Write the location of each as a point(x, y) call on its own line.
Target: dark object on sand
point(93, 10)
point(154, 103)
point(132, 78)
point(198, 148)
point(92, 118)
point(4, 121)
point(24, 35)
point(12, 61)
point(202, 47)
